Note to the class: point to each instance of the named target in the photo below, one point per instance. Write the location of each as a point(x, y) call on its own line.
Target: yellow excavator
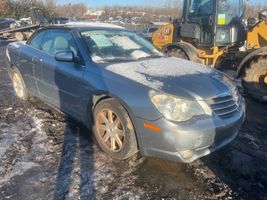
point(215, 33)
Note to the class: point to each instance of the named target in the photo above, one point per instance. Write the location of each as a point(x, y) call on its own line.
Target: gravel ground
point(46, 155)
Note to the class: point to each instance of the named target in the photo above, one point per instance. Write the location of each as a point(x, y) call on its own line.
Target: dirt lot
point(46, 155)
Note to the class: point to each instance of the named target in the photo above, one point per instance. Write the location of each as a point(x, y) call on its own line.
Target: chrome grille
point(225, 106)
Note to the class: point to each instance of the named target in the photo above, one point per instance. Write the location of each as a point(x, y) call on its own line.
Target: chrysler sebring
point(133, 97)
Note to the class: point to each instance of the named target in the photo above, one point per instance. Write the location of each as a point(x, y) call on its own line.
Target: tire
point(20, 36)
point(111, 125)
point(255, 79)
point(19, 85)
point(176, 52)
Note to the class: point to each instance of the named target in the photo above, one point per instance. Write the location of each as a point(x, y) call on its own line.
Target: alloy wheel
point(17, 84)
point(110, 129)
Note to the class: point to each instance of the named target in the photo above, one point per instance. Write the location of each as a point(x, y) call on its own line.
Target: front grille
point(226, 105)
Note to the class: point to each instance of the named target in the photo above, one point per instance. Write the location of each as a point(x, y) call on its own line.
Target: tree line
point(19, 9)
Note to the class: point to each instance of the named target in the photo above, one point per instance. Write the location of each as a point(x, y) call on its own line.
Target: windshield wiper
point(149, 57)
point(110, 60)
point(118, 60)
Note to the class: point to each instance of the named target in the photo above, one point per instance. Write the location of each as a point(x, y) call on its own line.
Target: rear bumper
point(186, 142)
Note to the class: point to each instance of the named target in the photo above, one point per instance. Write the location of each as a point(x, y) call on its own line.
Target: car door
point(62, 83)
point(30, 61)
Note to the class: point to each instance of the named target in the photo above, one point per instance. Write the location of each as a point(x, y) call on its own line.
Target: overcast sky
point(99, 3)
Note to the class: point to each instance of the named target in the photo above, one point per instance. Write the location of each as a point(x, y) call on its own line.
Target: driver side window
point(37, 40)
point(56, 41)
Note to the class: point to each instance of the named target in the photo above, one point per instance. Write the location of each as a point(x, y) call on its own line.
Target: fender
point(189, 49)
point(259, 52)
point(100, 95)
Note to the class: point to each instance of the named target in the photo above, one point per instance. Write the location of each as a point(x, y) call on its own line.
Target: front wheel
point(114, 130)
point(255, 79)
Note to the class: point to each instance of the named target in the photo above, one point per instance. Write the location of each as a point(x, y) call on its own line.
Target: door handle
point(38, 59)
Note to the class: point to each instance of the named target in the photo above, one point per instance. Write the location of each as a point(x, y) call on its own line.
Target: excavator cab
point(206, 29)
point(207, 23)
point(211, 32)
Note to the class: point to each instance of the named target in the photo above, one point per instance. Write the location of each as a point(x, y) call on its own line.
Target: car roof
point(83, 26)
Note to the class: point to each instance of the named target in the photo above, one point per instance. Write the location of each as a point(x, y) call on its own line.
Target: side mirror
point(65, 56)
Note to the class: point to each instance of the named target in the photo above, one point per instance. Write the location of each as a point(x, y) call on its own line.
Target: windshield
point(118, 45)
point(201, 7)
point(228, 10)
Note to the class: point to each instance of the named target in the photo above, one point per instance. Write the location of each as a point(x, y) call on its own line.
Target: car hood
point(174, 76)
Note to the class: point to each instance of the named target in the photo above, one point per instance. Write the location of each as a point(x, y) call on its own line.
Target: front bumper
point(188, 141)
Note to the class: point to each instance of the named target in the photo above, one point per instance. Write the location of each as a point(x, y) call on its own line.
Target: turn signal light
point(152, 127)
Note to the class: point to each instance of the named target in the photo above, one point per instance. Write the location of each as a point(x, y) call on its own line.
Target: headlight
point(175, 109)
point(222, 35)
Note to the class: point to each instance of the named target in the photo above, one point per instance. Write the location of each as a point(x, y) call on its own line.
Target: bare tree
point(71, 10)
point(253, 10)
point(2, 6)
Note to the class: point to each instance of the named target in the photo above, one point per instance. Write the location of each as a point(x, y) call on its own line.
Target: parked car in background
point(131, 95)
point(23, 28)
point(8, 23)
point(25, 21)
point(147, 32)
point(59, 20)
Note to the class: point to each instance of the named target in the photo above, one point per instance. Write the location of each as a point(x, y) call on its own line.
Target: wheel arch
point(99, 96)
point(190, 51)
point(262, 52)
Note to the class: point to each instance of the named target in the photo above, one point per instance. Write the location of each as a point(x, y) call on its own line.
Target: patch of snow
point(97, 59)
point(18, 44)
point(140, 71)
point(38, 123)
point(101, 40)
point(38, 143)
point(125, 42)
point(7, 109)
point(7, 55)
point(19, 169)
point(139, 54)
point(8, 136)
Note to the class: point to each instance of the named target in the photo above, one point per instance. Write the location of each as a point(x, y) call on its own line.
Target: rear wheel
point(19, 85)
point(114, 130)
point(255, 79)
point(177, 52)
